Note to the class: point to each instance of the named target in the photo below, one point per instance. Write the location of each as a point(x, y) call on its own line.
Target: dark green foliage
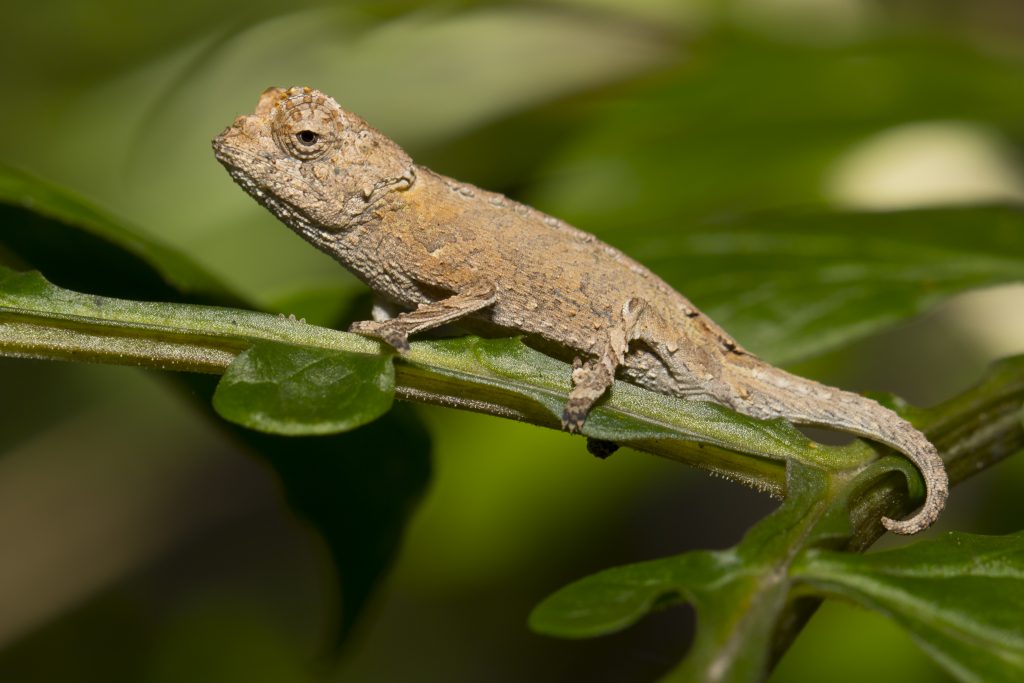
point(961, 596)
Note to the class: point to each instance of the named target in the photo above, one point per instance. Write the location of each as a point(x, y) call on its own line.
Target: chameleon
point(436, 251)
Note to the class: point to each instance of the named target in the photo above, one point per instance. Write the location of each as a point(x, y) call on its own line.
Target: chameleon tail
point(810, 403)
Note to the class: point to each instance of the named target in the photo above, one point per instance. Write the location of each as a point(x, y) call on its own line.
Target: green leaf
point(791, 285)
point(285, 389)
point(738, 593)
point(749, 124)
point(961, 597)
point(77, 244)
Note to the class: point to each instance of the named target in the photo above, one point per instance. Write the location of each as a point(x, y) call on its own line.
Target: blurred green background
point(142, 544)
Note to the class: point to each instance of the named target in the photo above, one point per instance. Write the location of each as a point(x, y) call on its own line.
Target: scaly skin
point(443, 251)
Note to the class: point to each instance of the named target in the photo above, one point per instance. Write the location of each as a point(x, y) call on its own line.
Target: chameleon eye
point(306, 141)
point(306, 125)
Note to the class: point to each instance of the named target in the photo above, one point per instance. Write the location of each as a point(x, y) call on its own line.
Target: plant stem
point(972, 432)
point(501, 377)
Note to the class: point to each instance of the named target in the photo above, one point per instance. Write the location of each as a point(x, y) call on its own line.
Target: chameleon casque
point(437, 251)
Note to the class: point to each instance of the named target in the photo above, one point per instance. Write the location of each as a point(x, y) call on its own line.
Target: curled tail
point(776, 393)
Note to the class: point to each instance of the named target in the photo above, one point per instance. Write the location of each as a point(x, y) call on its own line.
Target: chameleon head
point(312, 164)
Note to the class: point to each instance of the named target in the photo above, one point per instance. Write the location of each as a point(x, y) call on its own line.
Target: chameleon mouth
point(236, 161)
point(231, 157)
point(224, 151)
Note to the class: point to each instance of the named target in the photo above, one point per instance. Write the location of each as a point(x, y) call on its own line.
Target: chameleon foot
point(600, 448)
point(385, 331)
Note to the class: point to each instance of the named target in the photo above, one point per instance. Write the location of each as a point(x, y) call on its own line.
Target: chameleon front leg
point(592, 377)
point(395, 331)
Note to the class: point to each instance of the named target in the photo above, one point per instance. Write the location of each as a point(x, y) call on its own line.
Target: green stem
point(39, 320)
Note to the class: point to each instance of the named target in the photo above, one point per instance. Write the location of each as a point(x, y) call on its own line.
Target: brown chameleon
point(436, 251)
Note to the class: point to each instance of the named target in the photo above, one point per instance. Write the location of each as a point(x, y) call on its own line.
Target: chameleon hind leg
point(592, 377)
point(677, 368)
